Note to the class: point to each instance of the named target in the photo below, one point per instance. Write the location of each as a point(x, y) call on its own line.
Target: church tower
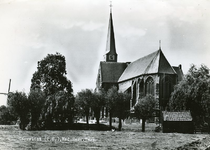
point(110, 54)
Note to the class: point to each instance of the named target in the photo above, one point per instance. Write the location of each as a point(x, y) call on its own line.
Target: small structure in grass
point(180, 122)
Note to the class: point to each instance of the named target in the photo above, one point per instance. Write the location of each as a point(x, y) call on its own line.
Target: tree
point(6, 116)
point(50, 78)
point(58, 110)
point(37, 100)
point(112, 96)
point(145, 108)
point(118, 105)
point(193, 93)
point(19, 103)
point(122, 107)
point(63, 110)
point(83, 102)
point(97, 103)
point(51, 75)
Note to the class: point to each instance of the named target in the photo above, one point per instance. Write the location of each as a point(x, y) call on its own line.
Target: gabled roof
point(111, 71)
point(150, 64)
point(177, 116)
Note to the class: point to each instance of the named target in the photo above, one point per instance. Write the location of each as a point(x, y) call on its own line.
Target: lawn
point(13, 138)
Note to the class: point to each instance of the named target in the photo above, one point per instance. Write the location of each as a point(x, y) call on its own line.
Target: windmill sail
point(9, 85)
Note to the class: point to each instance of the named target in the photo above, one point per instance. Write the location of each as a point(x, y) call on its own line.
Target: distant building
point(151, 74)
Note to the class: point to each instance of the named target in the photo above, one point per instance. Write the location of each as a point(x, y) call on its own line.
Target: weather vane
point(111, 5)
point(159, 44)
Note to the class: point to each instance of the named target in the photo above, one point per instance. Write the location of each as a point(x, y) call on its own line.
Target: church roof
point(179, 72)
point(111, 71)
point(110, 46)
point(150, 64)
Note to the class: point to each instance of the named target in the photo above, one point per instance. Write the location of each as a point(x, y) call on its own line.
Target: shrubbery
point(193, 94)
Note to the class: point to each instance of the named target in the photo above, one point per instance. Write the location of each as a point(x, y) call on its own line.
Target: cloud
point(131, 32)
point(91, 26)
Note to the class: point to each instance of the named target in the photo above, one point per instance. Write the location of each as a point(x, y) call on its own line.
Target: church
point(151, 74)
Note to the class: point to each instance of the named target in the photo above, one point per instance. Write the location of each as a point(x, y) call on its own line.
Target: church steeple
point(110, 54)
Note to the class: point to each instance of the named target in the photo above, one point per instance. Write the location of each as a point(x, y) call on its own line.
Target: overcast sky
point(31, 29)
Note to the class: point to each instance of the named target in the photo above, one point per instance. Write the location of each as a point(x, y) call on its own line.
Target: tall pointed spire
point(110, 54)
point(110, 37)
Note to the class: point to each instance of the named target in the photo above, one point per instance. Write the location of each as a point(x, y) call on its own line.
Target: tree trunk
point(70, 121)
point(102, 112)
point(110, 120)
point(97, 122)
point(87, 121)
point(34, 124)
point(143, 124)
point(120, 124)
point(97, 115)
point(106, 110)
point(21, 126)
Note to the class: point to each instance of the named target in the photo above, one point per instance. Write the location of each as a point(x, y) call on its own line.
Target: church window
point(157, 88)
point(141, 88)
point(149, 86)
point(167, 87)
point(134, 95)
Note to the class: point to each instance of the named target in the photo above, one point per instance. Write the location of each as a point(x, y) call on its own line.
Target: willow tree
point(122, 108)
point(36, 104)
point(97, 103)
point(50, 78)
point(83, 103)
point(145, 108)
point(18, 102)
point(111, 99)
point(117, 104)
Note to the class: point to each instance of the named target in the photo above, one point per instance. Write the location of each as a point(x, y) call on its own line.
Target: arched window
point(167, 88)
point(141, 88)
point(134, 95)
point(149, 86)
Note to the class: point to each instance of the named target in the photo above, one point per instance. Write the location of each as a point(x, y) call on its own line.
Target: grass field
point(13, 138)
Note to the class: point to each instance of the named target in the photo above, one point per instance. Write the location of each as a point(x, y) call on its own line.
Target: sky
point(31, 29)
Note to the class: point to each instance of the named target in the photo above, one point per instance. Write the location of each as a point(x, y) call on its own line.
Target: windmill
point(8, 88)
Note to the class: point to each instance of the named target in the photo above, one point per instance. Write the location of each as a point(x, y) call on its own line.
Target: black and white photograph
point(105, 74)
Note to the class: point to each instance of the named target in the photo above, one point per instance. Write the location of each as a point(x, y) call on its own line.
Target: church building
point(151, 74)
